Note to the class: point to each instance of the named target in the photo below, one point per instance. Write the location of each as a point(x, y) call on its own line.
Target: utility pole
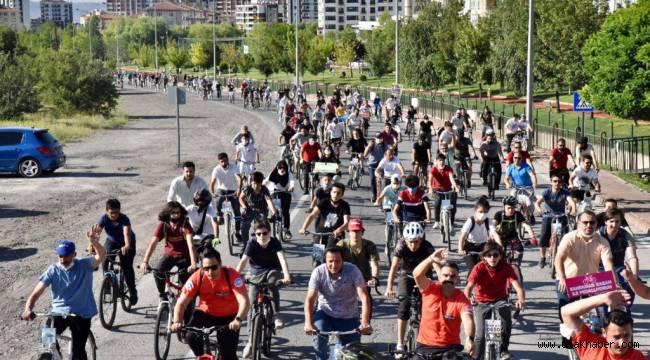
point(214, 43)
point(529, 65)
point(296, 33)
point(155, 31)
point(117, 51)
point(90, 37)
point(396, 42)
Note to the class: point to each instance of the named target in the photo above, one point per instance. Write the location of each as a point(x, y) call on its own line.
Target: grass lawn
point(68, 128)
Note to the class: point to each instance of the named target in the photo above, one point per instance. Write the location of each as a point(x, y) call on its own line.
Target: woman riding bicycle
point(255, 201)
point(491, 278)
point(477, 231)
point(283, 182)
point(328, 156)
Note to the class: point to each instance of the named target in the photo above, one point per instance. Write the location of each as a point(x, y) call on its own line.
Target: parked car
point(29, 152)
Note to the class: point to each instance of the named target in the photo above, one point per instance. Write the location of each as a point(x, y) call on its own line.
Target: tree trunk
point(480, 91)
point(557, 101)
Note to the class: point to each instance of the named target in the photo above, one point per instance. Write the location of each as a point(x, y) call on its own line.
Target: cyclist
point(491, 155)
point(323, 191)
point(460, 121)
point(389, 135)
point(487, 119)
point(362, 253)
point(356, 146)
point(477, 231)
point(508, 222)
point(255, 201)
point(285, 139)
point(389, 166)
point(282, 103)
point(366, 113)
point(426, 128)
point(557, 200)
point(282, 180)
point(617, 336)
point(412, 203)
point(328, 156)
point(374, 152)
point(376, 103)
point(517, 150)
point(410, 251)
point(182, 188)
point(421, 155)
point(583, 148)
point(490, 278)
point(583, 177)
point(310, 151)
point(354, 121)
point(71, 282)
point(512, 127)
point(296, 142)
point(202, 216)
point(305, 124)
point(612, 204)
point(222, 301)
point(247, 156)
point(335, 134)
point(267, 264)
point(558, 161)
point(175, 229)
point(447, 134)
point(519, 174)
point(443, 148)
point(338, 302)
point(444, 308)
point(331, 215)
point(441, 179)
point(243, 131)
point(388, 196)
point(462, 158)
point(289, 110)
point(227, 181)
point(305, 108)
point(120, 235)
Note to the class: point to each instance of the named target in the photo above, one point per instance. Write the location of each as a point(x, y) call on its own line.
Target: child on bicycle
point(477, 231)
point(490, 279)
point(356, 146)
point(412, 203)
point(389, 195)
point(508, 222)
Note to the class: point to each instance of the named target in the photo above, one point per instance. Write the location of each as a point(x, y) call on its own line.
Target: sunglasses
point(264, 233)
point(588, 222)
point(211, 268)
point(555, 181)
point(517, 158)
point(492, 255)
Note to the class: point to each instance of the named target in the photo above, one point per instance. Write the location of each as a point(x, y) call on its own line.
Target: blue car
point(29, 152)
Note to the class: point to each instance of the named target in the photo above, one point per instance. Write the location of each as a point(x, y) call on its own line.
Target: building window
point(353, 18)
point(351, 9)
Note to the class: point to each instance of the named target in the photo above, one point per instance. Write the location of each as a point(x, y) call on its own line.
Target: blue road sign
point(581, 105)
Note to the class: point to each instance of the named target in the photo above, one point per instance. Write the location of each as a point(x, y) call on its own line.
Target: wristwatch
point(238, 318)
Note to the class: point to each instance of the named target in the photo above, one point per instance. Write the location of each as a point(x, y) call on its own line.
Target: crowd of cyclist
point(312, 136)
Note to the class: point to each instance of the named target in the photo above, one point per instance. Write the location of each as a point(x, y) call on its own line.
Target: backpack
point(487, 227)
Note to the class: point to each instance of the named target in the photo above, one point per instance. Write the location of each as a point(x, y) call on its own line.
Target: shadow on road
point(78, 174)
point(11, 213)
point(8, 254)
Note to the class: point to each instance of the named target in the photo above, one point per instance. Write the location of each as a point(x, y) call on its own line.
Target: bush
point(18, 94)
point(363, 77)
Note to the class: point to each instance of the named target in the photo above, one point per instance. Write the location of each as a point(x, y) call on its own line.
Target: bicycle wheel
point(269, 331)
point(91, 347)
point(550, 255)
point(465, 186)
point(359, 176)
point(490, 351)
point(162, 336)
point(230, 234)
point(257, 336)
point(389, 243)
point(45, 356)
point(410, 342)
point(107, 302)
point(492, 186)
point(125, 294)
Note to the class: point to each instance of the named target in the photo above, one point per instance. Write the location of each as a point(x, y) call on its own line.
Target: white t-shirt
point(587, 176)
point(479, 234)
point(180, 192)
point(226, 178)
point(247, 153)
point(390, 167)
point(446, 137)
point(335, 130)
point(354, 121)
point(195, 219)
point(512, 126)
point(523, 125)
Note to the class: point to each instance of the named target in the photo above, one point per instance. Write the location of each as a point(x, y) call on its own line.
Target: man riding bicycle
point(412, 203)
point(255, 200)
point(421, 155)
point(227, 181)
point(183, 187)
point(310, 151)
point(331, 215)
point(582, 178)
point(521, 175)
point(296, 142)
point(441, 179)
point(491, 155)
point(558, 161)
point(203, 217)
point(462, 157)
point(477, 231)
point(374, 152)
point(389, 166)
point(508, 222)
point(356, 146)
point(247, 156)
point(555, 200)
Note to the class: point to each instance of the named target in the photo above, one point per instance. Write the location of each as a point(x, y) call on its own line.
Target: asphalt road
point(215, 122)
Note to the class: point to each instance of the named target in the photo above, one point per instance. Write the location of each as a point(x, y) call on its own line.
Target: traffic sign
point(396, 91)
point(581, 105)
point(173, 96)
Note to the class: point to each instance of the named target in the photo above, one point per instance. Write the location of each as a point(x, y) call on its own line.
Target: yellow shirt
point(583, 257)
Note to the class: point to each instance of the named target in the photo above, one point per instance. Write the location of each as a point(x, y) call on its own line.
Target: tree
point(245, 63)
point(200, 55)
point(472, 51)
point(18, 81)
point(261, 48)
point(380, 45)
point(345, 53)
point(617, 62)
point(8, 39)
point(177, 56)
point(229, 56)
point(142, 55)
point(320, 49)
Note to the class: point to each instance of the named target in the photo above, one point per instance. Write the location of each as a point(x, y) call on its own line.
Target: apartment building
point(57, 11)
point(22, 7)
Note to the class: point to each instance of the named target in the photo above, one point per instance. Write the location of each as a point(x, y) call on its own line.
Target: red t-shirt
point(560, 158)
point(600, 353)
point(215, 296)
point(309, 153)
point(389, 139)
point(509, 157)
point(175, 243)
point(440, 178)
point(409, 198)
point(441, 318)
point(491, 284)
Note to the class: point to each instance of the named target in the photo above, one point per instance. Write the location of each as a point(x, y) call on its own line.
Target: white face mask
point(481, 216)
point(327, 152)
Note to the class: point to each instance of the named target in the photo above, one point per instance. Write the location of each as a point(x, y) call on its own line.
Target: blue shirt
point(72, 289)
point(521, 176)
point(556, 201)
point(115, 229)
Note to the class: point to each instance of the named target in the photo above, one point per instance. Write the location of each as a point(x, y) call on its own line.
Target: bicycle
point(493, 328)
point(113, 287)
point(410, 129)
point(514, 258)
point(594, 320)
point(557, 232)
point(263, 327)
point(278, 221)
point(59, 347)
point(420, 169)
point(413, 325)
point(230, 220)
point(287, 156)
point(523, 195)
point(318, 248)
point(391, 232)
point(357, 173)
point(231, 97)
point(463, 177)
point(492, 183)
point(446, 224)
point(338, 350)
point(205, 333)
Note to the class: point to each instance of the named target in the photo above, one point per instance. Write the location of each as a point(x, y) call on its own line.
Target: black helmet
point(510, 200)
point(202, 198)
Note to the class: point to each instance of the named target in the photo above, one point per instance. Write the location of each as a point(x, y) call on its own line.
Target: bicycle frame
point(334, 341)
point(493, 328)
point(50, 339)
point(318, 248)
point(446, 208)
point(205, 333)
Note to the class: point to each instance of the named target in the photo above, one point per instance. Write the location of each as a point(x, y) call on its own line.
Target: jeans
point(234, 202)
point(437, 204)
point(481, 312)
point(79, 328)
point(324, 322)
point(436, 352)
point(373, 180)
point(485, 169)
point(126, 262)
point(272, 277)
point(166, 263)
point(228, 340)
point(306, 172)
point(545, 237)
point(285, 203)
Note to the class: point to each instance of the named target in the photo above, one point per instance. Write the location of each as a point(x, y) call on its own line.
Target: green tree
point(262, 49)
point(320, 49)
point(345, 53)
point(380, 45)
point(245, 63)
point(617, 61)
point(8, 39)
point(200, 55)
point(177, 56)
point(143, 56)
point(472, 52)
point(229, 56)
point(18, 81)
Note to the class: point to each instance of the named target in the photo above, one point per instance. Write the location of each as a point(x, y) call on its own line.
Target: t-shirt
point(618, 245)
point(426, 126)
point(72, 289)
point(257, 201)
point(175, 244)
point(335, 130)
point(338, 297)
point(479, 233)
point(390, 196)
point(413, 204)
point(588, 150)
point(215, 296)
point(556, 200)
point(390, 167)
point(421, 151)
point(512, 126)
point(309, 153)
point(357, 145)
point(196, 218)
point(521, 176)
point(115, 229)
point(440, 178)
point(491, 284)
point(247, 153)
point(226, 179)
point(585, 336)
point(409, 259)
point(583, 257)
point(263, 259)
point(322, 193)
point(441, 316)
point(560, 158)
point(362, 259)
point(584, 178)
point(180, 192)
point(446, 137)
point(389, 138)
point(461, 151)
point(331, 217)
point(525, 155)
point(490, 150)
point(507, 226)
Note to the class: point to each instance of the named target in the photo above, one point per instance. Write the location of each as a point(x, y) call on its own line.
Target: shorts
point(246, 168)
point(405, 286)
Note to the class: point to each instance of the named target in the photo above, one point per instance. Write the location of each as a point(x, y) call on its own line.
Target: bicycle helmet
point(202, 198)
point(413, 231)
point(510, 200)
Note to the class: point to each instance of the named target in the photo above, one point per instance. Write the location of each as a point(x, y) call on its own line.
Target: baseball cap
point(65, 248)
point(356, 224)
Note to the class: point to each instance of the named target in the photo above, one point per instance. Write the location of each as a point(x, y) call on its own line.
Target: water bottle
point(48, 336)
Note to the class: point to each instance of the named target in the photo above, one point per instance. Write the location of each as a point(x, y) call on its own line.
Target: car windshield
point(45, 137)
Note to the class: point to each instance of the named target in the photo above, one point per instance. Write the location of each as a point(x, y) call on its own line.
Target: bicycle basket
point(358, 352)
point(226, 207)
point(318, 251)
point(493, 327)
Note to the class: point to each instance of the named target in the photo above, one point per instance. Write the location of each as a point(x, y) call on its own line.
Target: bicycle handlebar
point(329, 233)
point(204, 331)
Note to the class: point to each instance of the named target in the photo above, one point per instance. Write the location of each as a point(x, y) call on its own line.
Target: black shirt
point(408, 259)
point(287, 134)
point(421, 154)
point(331, 217)
point(257, 201)
point(426, 126)
point(322, 194)
point(263, 259)
point(357, 145)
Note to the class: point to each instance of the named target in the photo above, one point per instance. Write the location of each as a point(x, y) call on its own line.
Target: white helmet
point(413, 231)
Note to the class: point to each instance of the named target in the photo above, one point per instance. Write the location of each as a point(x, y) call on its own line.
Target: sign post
point(177, 98)
point(582, 106)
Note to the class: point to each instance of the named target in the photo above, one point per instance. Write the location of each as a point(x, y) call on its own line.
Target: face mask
point(282, 171)
point(312, 142)
point(325, 186)
point(327, 152)
point(481, 217)
point(174, 220)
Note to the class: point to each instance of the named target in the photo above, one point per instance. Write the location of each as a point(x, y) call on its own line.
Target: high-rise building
point(617, 4)
point(127, 7)
point(57, 11)
point(308, 10)
point(179, 14)
point(335, 15)
point(22, 6)
point(10, 17)
point(478, 8)
point(258, 11)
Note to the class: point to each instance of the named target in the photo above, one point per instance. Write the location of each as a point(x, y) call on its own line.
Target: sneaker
point(436, 225)
point(505, 356)
point(469, 184)
point(238, 237)
point(399, 352)
point(542, 262)
point(133, 296)
point(279, 323)
point(287, 234)
point(248, 351)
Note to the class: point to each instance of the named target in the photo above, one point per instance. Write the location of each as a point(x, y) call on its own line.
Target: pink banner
point(590, 284)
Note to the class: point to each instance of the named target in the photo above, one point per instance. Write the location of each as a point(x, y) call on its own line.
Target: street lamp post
point(530, 81)
point(155, 31)
point(396, 42)
point(214, 44)
point(90, 37)
point(296, 33)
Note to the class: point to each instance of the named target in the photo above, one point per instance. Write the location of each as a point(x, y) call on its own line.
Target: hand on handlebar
point(175, 327)
point(144, 267)
point(301, 231)
point(462, 252)
point(310, 330)
point(520, 305)
point(365, 329)
point(27, 315)
point(390, 294)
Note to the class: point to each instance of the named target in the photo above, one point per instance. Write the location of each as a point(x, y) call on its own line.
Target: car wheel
point(29, 168)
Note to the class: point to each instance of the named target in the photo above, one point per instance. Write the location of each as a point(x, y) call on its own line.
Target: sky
point(83, 6)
